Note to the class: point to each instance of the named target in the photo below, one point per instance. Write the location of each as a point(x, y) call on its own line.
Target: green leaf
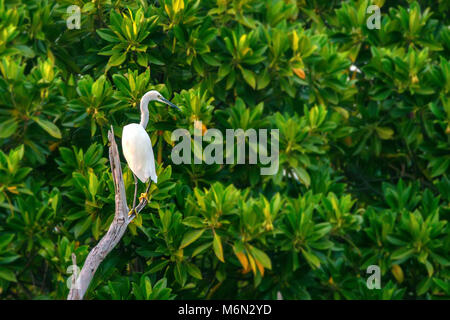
point(180, 273)
point(155, 60)
point(262, 257)
point(142, 59)
point(107, 35)
point(117, 59)
point(148, 287)
point(7, 128)
point(249, 77)
point(6, 260)
point(211, 60)
point(190, 237)
point(401, 254)
point(158, 266)
point(311, 258)
point(121, 83)
point(263, 80)
point(223, 71)
point(217, 245)
point(194, 271)
point(303, 176)
point(5, 239)
point(429, 268)
point(7, 275)
point(201, 248)
point(194, 222)
point(48, 126)
point(25, 51)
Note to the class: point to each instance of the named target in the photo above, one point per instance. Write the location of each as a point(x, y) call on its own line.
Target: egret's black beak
point(169, 103)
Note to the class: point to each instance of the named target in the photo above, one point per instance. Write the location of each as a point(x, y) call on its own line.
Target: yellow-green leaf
point(242, 258)
point(262, 257)
point(190, 237)
point(116, 60)
point(249, 77)
point(385, 133)
point(217, 245)
point(398, 273)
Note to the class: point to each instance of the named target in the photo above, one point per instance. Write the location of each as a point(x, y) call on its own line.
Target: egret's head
point(154, 95)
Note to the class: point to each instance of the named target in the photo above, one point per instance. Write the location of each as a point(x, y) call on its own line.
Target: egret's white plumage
point(137, 149)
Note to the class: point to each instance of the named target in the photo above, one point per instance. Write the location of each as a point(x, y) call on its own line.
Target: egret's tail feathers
point(146, 177)
point(141, 177)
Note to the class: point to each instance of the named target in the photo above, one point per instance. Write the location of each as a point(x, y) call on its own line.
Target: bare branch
point(116, 229)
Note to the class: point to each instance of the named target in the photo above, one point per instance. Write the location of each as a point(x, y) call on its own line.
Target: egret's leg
point(135, 194)
point(135, 190)
point(144, 195)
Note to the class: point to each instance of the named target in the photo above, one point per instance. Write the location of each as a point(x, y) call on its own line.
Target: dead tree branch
point(116, 229)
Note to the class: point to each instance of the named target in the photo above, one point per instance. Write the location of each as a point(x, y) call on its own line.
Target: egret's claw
point(131, 212)
point(143, 196)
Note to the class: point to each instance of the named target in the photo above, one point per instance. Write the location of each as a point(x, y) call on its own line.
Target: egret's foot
point(131, 212)
point(143, 196)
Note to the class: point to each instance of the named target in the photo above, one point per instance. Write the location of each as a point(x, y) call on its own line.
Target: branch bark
point(116, 229)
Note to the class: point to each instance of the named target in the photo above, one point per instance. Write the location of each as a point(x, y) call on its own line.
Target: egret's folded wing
point(138, 152)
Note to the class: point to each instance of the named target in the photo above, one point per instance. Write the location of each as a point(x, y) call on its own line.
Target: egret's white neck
point(144, 110)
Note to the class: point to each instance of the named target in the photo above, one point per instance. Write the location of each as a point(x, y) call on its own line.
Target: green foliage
point(364, 122)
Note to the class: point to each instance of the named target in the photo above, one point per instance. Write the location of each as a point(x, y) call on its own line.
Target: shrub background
point(364, 156)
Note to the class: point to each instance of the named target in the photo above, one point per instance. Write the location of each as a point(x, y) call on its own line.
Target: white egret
point(137, 147)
